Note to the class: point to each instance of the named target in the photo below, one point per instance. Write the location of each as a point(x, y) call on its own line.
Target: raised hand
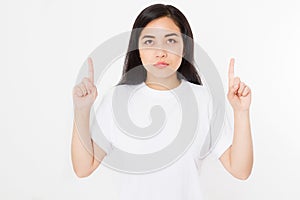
point(239, 94)
point(85, 93)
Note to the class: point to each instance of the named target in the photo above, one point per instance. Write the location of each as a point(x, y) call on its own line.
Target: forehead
point(161, 26)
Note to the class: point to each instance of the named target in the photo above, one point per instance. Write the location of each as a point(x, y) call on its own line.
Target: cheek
point(145, 56)
point(176, 61)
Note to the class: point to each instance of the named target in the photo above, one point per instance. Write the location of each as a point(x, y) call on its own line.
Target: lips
point(161, 64)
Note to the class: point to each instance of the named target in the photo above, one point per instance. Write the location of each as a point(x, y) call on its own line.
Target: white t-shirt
point(180, 180)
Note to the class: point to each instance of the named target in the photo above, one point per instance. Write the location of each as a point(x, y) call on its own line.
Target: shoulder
point(201, 91)
point(116, 93)
point(109, 92)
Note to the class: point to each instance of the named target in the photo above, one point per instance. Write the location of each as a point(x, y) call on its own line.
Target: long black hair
point(133, 61)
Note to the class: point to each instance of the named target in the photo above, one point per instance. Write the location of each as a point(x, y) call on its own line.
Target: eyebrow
point(168, 35)
point(148, 36)
point(171, 34)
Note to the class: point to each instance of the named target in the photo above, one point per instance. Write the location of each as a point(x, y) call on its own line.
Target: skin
point(160, 46)
point(85, 154)
point(161, 41)
point(238, 159)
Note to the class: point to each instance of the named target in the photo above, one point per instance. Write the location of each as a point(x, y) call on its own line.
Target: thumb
point(95, 92)
point(232, 91)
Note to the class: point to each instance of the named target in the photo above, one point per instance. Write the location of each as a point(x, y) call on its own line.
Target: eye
point(171, 41)
point(148, 42)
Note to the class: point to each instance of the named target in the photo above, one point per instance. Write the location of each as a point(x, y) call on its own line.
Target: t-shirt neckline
point(161, 93)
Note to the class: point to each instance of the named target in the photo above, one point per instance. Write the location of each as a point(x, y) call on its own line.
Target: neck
point(158, 83)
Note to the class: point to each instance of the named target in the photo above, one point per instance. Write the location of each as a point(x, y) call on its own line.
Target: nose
point(161, 53)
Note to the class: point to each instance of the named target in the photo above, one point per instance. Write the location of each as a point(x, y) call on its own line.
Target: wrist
point(82, 112)
point(241, 112)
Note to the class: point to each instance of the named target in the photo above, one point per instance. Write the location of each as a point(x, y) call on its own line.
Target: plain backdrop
point(43, 44)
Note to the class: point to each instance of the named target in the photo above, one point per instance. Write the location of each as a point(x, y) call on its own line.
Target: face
point(161, 47)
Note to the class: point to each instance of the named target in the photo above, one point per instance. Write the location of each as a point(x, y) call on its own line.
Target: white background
point(44, 43)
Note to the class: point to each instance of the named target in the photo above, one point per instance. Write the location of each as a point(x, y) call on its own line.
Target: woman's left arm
point(238, 158)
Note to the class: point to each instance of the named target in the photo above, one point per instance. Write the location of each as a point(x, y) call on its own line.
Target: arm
point(86, 155)
point(238, 158)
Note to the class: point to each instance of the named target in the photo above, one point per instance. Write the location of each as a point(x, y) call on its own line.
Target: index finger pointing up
point(231, 72)
point(91, 69)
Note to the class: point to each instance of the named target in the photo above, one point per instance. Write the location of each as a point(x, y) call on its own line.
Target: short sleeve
point(226, 135)
point(101, 124)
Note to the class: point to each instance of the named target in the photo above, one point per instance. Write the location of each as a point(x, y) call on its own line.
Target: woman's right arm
point(86, 155)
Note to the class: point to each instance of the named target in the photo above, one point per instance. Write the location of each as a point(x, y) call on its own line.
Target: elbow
point(242, 172)
point(242, 176)
point(80, 173)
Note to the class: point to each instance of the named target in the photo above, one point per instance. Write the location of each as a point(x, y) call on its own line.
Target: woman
point(160, 44)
